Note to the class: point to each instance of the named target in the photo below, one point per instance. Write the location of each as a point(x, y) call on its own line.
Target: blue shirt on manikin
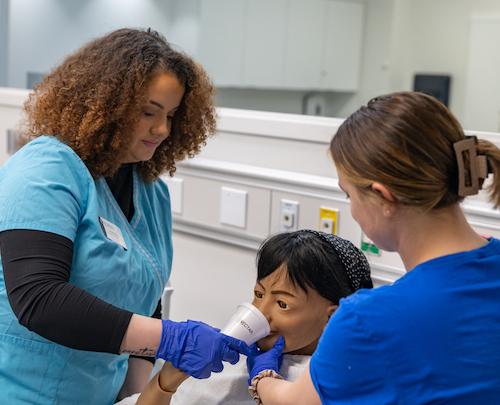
point(431, 337)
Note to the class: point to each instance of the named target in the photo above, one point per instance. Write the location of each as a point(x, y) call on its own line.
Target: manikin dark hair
point(309, 261)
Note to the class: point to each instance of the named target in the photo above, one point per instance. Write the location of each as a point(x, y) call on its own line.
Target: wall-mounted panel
point(202, 204)
point(385, 265)
point(310, 204)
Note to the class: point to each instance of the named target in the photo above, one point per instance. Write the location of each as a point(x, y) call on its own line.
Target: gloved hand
point(258, 360)
point(198, 349)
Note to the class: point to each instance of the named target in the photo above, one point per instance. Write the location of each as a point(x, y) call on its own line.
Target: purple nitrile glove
point(258, 360)
point(197, 348)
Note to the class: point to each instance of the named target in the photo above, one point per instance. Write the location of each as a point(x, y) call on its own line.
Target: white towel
point(228, 387)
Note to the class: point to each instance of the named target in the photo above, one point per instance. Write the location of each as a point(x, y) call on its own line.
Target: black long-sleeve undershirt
point(37, 268)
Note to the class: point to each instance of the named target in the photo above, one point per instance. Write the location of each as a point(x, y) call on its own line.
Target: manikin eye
point(282, 304)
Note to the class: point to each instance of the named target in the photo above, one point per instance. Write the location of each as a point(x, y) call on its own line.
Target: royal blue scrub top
point(433, 337)
point(45, 186)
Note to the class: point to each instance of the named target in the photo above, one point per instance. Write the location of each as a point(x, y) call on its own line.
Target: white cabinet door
point(304, 44)
point(282, 44)
point(221, 39)
point(342, 46)
point(264, 46)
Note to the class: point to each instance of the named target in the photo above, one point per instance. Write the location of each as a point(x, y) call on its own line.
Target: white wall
point(401, 38)
point(4, 34)
point(42, 32)
point(376, 60)
point(184, 25)
point(209, 279)
point(433, 36)
point(482, 104)
point(374, 78)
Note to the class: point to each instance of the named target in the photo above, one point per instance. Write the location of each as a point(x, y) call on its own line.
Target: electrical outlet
point(326, 225)
point(289, 215)
point(328, 220)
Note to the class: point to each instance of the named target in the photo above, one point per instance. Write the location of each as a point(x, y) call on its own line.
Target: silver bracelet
point(252, 389)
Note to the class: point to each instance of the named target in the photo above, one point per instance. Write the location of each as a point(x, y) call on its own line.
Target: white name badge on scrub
point(112, 232)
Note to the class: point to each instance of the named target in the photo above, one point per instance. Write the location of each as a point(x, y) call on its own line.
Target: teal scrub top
point(45, 186)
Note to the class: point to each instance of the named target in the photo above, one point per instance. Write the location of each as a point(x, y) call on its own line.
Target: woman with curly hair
point(85, 223)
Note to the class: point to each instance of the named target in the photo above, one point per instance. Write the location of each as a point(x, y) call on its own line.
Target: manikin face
point(164, 95)
point(298, 316)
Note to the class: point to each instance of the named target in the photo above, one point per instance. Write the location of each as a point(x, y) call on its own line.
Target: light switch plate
point(233, 207)
point(176, 190)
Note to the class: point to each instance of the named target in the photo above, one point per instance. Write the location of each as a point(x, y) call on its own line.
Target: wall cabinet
point(282, 44)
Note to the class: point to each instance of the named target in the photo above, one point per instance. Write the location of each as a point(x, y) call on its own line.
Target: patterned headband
point(354, 261)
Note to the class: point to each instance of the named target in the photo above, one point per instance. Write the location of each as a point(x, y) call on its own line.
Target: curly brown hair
point(93, 99)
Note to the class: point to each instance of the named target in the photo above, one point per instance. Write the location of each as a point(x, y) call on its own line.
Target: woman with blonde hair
point(434, 335)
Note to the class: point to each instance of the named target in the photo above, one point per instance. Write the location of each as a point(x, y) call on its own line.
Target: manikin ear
point(386, 196)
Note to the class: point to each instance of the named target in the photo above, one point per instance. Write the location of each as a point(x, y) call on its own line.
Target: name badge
point(112, 232)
